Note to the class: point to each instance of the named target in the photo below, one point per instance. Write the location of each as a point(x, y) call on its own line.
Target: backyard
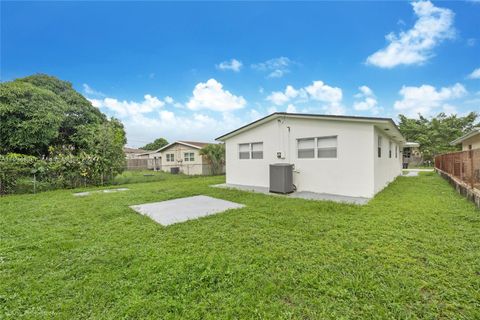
point(412, 252)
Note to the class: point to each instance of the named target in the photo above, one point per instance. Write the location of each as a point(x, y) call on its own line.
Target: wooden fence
point(463, 165)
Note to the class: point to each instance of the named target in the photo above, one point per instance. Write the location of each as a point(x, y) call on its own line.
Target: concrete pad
point(419, 170)
point(300, 194)
point(87, 193)
point(183, 209)
point(410, 174)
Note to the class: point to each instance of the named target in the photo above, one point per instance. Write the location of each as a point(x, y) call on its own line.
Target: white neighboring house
point(184, 155)
point(469, 141)
point(339, 155)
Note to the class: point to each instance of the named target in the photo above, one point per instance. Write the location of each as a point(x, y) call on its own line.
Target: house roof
point(133, 150)
point(386, 123)
point(470, 134)
point(193, 144)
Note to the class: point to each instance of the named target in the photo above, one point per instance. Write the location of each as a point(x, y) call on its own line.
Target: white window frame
point(250, 151)
point(170, 157)
point(189, 156)
point(316, 148)
point(257, 151)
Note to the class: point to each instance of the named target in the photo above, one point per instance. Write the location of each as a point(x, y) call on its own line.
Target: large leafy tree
point(30, 118)
point(41, 115)
point(77, 114)
point(434, 135)
point(215, 155)
point(156, 144)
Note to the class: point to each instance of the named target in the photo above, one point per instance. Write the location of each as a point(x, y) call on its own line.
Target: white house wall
point(386, 168)
point(351, 173)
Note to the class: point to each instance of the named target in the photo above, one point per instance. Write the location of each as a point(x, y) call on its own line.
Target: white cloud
point(129, 108)
point(329, 97)
point(211, 95)
point(415, 46)
point(91, 92)
point(276, 67)
point(475, 74)
point(366, 100)
point(292, 109)
point(233, 65)
point(427, 100)
point(321, 92)
point(279, 98)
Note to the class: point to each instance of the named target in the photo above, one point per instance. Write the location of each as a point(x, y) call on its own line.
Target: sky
point(196, 70)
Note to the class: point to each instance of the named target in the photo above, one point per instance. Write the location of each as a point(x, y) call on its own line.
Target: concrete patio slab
point(300, 194)
point(410, 174)
point(419, 170)
point(87, 193)
point(183, 209)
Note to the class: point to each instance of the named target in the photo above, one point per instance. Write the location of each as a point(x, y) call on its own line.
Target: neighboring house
point(340, 155)
point(411, 154)
point(132, 153)
point(469, 141)
point(184, 157)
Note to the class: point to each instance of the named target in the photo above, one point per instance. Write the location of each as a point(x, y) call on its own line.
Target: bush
point(23, 174)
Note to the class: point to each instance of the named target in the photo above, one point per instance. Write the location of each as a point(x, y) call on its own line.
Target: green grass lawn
point(412, 252)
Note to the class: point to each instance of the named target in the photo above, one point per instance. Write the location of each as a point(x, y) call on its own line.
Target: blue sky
point(197, 70)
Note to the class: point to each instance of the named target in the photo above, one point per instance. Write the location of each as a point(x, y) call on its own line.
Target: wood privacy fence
point(463, 165)
point(143, 164)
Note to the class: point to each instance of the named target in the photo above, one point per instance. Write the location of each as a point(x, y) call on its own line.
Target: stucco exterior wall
point(195, 167)
point(474, 141)
point(386, 169)
point(351, 173)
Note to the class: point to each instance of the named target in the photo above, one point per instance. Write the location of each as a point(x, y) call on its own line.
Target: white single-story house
point(469, 141)
point(183, 157)
point(339, 155)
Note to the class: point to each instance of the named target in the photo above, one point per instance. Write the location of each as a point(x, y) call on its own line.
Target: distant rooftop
point(470, 134)
point(133, 150)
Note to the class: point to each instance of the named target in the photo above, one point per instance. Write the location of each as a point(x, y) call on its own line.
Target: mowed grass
point(412, 252)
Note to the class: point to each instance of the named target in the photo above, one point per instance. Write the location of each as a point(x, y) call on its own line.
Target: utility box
point(281, 178)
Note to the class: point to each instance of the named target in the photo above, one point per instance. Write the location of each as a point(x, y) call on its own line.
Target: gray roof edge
point(306, 115)
point(470, 134)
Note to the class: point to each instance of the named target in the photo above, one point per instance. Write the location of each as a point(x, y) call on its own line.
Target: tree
point(78, 112)
point(30, 118)
point(435, 135)
point(215, 155)
point(155, 145)
point(45, 117)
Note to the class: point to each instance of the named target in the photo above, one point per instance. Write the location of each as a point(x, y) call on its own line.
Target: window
point(327, 147)
point(189, 156)
point(244, 151)
point(396, 151)
point(170, 157)
point(379, 146)
point(257, 150)
point(389, 149)
point(252, 150)
point(306, 148)
point(323, 147)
